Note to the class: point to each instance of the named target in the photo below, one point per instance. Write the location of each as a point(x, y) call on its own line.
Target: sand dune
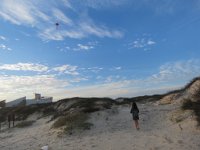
point(112, 130)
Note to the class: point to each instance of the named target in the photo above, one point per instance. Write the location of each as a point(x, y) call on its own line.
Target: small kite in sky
point(57, 24)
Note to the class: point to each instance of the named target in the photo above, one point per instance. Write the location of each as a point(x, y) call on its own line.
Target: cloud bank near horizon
point(48, 82)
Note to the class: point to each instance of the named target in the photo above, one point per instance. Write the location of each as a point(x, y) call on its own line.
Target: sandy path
point(113, 130)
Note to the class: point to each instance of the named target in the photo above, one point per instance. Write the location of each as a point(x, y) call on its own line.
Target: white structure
point(119, 99)
point(39, 100)
point(19, 101)
point(23, 101)
point(37, 96)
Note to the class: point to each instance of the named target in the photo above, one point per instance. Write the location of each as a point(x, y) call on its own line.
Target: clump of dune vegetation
point(194, 106)
point(72, 122)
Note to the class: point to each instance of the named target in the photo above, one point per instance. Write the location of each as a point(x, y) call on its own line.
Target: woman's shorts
point(135, 116)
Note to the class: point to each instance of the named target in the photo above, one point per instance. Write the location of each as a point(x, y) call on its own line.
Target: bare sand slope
point(113, 130)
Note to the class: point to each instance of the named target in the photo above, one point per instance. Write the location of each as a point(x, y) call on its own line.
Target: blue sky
point(103, 48)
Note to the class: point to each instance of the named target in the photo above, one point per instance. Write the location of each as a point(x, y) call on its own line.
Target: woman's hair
point(134, 105)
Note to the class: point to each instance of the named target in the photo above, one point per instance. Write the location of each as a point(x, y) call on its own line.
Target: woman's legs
point(136, 124)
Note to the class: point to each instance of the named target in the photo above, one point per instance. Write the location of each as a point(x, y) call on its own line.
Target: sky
point(100, 48)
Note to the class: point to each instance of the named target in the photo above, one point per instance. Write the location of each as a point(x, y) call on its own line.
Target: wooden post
point(9, 117)
point(13, 119)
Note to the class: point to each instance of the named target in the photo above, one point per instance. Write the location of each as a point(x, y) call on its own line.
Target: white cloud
point(17, 11)
point(98, 4)
point(179, 71)
point(53, 34)
point(15, 86)
point(24, 67)
point(118, 68)
point(43, 16)
point(61, 69)
point(60, 16)
point(67, 69)
point(67, 3)
point(73, 73)
point(112, 79)
point(156, 6)
point(144, 42)
point(115, 89)
point(92, 29)
point(84, 47)
point(150, 42)
point(2, 38)
point(4, 47)
point(169, 76)
point(95, 69)
point(79, 47)
point(79, 31)
point(77, 80)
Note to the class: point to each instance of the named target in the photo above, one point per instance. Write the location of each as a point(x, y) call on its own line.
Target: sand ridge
point(112, 130)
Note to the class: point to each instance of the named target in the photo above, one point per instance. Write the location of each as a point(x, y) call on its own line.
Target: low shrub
point(73, 121)
point(48, 111)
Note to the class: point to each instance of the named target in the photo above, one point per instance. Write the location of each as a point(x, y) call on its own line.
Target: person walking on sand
point(135, 114)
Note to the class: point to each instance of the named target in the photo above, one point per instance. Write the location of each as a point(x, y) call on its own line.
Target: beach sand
point(113, 129)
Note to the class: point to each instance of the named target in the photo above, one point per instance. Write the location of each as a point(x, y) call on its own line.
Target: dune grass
point(73, 121)
point(195, 106)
